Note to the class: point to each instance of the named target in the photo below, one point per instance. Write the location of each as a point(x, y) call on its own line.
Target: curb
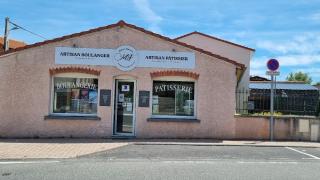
point(222, 144)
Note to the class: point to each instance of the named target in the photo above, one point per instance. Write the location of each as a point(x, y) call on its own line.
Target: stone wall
point(285, 128)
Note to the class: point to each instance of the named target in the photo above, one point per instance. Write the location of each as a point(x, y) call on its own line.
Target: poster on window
point(75, 95)
point(129, 107)
point(173, 98)
point(121, 98)
point(93, 96)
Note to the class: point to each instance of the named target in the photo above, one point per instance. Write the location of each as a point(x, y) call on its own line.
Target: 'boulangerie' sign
point(124, 57)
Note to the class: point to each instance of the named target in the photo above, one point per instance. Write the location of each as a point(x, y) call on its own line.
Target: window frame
point(71, 75)
point(175, 78)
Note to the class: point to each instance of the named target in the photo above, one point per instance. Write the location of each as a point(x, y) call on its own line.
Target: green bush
point(267, 114)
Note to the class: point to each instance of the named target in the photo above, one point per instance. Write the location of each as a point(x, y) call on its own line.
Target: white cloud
point(145, 11)
point(300, 53)
point(303, 44)
point(293, 63)
point(298, 60)
point(287, 60)
point(315, 17)
point(258, 66)
point(258, 62)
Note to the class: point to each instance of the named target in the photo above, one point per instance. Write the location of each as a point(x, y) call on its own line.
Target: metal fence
point(286, 102)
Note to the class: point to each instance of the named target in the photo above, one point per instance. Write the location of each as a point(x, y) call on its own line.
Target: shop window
point(75, 95)
point(173, 98)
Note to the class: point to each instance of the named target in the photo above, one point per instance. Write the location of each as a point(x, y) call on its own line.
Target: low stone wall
point(285, 128)
point(251, 127)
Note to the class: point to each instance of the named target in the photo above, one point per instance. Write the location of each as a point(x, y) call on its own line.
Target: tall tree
point(299, 76)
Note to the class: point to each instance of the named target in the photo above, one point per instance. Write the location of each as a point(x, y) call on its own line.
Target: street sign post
point(273, 66)
point(273, 73)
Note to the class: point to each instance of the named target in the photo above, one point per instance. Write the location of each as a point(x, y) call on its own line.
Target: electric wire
point(19, 27)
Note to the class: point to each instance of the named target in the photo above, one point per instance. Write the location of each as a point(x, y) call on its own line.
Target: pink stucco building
point(122, 80)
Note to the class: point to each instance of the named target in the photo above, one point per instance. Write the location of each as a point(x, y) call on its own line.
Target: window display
point(75, 95)
point(173, 98)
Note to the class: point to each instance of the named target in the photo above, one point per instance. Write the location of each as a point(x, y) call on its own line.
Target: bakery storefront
point(117, 80)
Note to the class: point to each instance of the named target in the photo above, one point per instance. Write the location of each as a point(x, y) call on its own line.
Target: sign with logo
point(273, 64)
point(124, 58)
point(125, 88)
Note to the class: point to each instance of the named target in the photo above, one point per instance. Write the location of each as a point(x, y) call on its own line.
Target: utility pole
point(7, 29)
point(6, 35)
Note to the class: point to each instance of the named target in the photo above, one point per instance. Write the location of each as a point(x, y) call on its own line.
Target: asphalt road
point(175, 162)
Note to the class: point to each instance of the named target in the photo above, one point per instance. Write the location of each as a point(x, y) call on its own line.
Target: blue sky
point(288, 30)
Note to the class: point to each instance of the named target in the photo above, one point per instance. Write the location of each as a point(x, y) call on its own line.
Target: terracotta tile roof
point(122, 23)
point(12, 43)
point(87, 70)
point(215, 38)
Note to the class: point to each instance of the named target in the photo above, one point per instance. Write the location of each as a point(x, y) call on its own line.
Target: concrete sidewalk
point(70, 148)
point(53, 148)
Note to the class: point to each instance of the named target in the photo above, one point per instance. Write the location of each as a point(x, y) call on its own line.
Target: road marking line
point(191, 162)
point(310, 155)
point(239, 162)
point(266, 162)
point(278, 158)
point(27, 162)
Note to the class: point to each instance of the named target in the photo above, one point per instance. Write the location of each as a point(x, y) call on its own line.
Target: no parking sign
point(273, 64)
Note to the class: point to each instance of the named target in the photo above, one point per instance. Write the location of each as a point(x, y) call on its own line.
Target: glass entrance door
point(124, 107)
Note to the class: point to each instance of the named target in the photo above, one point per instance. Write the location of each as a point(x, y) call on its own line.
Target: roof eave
point(215, 38)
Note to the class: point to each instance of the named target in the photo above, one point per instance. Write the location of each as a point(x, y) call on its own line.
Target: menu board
point(105, 97)
point(144, 98)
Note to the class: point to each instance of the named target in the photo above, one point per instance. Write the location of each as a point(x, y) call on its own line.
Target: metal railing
point(286, 102)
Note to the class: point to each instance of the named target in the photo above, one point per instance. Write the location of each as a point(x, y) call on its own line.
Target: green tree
point(299, 76)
